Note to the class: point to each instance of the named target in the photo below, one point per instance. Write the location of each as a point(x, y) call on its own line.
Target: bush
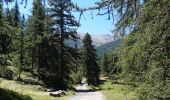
point(6, 73)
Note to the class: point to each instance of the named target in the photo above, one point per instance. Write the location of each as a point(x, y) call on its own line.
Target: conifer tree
point(5, 37)
point(8, 16)
point(21, 58)
point(16, 24)
point(5, 45)
point(63, 27)
point(36, 32)
point(90, 64)
point(144, 55)
point(16, 15)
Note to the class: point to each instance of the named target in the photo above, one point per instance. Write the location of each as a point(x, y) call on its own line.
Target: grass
point(115, 91)
point(6, 94)
point(35, 92)
point(19, 91)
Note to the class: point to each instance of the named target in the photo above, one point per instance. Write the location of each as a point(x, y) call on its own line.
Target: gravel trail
point(83, 93)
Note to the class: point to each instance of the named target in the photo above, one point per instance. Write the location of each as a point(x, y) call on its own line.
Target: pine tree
point(5, 37)
point(92, 68)
point(5, 45)
point(1, 8)
point(21, 58)
point(13, 18)
point(36, 32)
point(8, 16)
point(16, 15)
point(63, 28)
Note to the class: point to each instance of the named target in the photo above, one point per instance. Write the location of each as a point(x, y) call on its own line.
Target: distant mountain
point(101, 50)
point(98, 40)
point(102, 42)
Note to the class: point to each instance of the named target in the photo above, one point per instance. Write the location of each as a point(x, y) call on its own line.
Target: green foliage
point(128, 11)
point(16, 15)
point(110, 64)
point(116, 91)
point(63, 29)
point(105, 48)
point(34, 92)
point(144, 55)
point(106, 64)
point(6, 73)
point(5, 47)
point(90, 61)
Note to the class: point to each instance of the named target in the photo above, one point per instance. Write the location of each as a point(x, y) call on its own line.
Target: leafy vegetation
point(105, 48)
point(90, 64)
point(115, 91)
point(144, 54)
point(17, 90)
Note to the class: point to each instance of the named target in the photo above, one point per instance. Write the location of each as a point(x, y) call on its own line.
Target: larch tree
point(145, 53)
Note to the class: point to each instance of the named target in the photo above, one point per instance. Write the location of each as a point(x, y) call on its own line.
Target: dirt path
point(83, 93)
point(88, 96)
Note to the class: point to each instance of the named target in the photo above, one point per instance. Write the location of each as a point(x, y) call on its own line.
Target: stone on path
point(58, 93)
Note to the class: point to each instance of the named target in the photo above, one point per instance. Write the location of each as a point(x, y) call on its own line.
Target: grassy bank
point(34, 92)
point(115, 91)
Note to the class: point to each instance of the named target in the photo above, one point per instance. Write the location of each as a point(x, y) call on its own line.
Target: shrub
point(6, 73)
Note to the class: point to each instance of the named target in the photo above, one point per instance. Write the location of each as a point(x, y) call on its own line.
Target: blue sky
point(95, 25)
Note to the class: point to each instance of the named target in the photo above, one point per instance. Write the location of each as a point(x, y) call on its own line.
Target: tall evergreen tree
point(8, 17)
point(16, 23)
point(90, 58)
point(5, 45)
point(3, 26)
point(21, 58)
point(16, 15)
point(36, 32)
point(5, 37)
point(63, 28)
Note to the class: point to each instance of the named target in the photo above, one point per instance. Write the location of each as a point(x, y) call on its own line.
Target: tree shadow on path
point(10, 95)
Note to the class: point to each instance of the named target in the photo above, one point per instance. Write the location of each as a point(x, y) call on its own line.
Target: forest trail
point(84, 93)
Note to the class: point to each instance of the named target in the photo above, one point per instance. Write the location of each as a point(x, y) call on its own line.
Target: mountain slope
point(98, 40)
point(101, 50)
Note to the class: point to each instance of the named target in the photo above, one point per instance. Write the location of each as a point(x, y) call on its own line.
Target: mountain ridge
point(98, 39)
point(101, 50)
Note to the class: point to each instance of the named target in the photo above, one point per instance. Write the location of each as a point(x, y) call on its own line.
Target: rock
point(58, 93)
